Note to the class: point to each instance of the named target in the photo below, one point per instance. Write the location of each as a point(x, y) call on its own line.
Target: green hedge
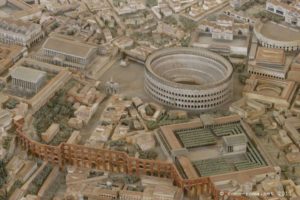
point(38, 181)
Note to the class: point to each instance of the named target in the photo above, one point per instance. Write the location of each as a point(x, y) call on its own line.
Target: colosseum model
point(188, 78)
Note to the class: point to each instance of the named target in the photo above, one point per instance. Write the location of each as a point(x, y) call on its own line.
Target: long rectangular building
point(64, 50)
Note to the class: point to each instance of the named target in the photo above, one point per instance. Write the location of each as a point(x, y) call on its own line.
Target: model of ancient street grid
point(149, 100)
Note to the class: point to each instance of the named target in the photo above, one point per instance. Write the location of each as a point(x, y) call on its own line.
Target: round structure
point(273, 35)
point(188, 78)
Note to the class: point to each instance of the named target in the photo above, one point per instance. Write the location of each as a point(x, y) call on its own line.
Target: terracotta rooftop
point(270, 56)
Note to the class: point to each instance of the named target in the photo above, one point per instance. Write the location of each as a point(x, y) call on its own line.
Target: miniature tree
point(150, 154)
point(240, 67)
point(278, 155)
point(259, 130)
point(170, 20)
point(185, 41)
point(117, 143)
point(131, 179)
point(149, 110)
point(264, 15)
point(294, 169)
point(55, 25)
point(6, 142)
point(152, 125)
point(11, 103)
point(17, 184)
point(151, 3)
point(39, 180)
point(93, 174)
point(243, 78)
point(57, 110)
point(4, 195)
point(188, 24)
point(3, 173)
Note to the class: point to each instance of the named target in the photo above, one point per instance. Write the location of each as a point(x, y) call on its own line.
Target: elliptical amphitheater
point(192, 79)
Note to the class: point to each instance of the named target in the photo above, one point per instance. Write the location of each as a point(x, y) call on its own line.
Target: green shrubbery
point(57, 110)
point(151, 3)
point(249, 4)
point(187, 23)
point(93, 174)
point(17, 184)
point(6, 142)
point(164, 120)
point(54, 25)
point(11, 103)
point(269, 16)
point(38, 181)
point(243, 78)
point(117, 143)
point(156, 40)
point(131, 179)
point(3, 173)
point(63, 135)
point(259, 130)
point(122, 145)
point(170, 20)
point(117, 2)
point(240, 67)
point(3, 195)
point(149, 110)
point(150, 155)
point(185, 41)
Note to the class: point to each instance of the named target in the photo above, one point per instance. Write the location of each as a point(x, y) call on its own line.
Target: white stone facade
point(194, 98)
point(291, 12)
point(67, 53)
point(31, 80)
point(292, 45)
point(19, 32)
point(224, 28)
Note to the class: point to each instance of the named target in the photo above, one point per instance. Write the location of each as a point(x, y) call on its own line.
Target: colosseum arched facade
point(287, 45)
point(188, 78)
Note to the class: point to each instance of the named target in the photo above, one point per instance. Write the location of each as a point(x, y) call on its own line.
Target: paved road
point(101, 71)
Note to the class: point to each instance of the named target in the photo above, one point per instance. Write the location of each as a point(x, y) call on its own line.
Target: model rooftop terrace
point(268, 56)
